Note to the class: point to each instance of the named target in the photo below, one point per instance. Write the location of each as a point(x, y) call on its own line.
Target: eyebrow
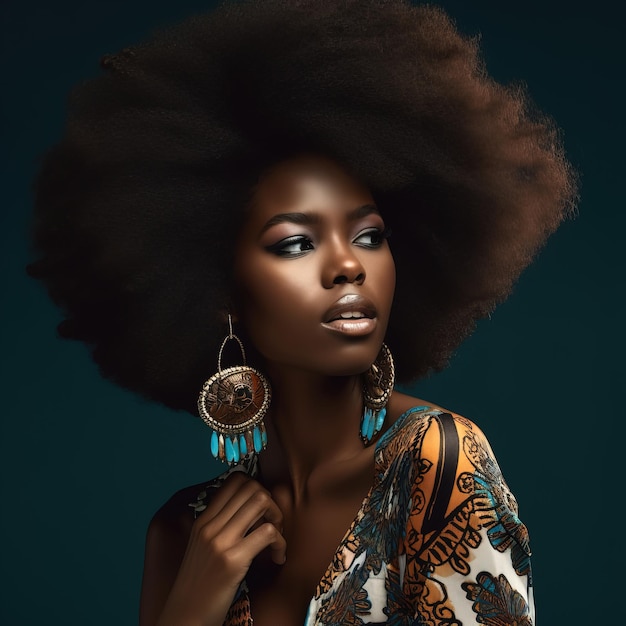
point(313, 218)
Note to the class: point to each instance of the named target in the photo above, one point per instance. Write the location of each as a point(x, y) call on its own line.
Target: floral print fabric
point(436, 542)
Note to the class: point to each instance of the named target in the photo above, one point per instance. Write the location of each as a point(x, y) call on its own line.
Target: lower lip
point(352, 327)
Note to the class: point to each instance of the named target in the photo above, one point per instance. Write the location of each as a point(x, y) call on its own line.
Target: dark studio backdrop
point(85, 464)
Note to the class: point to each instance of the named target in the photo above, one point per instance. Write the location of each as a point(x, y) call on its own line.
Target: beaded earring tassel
point(377, 388)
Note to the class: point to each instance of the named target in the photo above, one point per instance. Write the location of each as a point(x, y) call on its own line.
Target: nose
point(342, 266)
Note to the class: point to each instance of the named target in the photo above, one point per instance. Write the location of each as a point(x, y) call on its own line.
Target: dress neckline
point(380, 445)
point(382, 442)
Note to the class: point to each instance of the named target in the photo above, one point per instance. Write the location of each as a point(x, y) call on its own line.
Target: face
point(313, 270)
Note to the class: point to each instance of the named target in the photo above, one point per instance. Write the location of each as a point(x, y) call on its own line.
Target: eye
point(372, 237)
point(291, 246)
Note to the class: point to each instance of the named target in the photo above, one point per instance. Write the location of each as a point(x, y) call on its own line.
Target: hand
point(239, 522)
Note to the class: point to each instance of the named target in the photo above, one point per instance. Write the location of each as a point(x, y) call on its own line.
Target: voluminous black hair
point(138, 206)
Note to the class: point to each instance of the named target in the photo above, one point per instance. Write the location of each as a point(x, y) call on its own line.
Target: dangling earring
point(377, 387)
point(233, 403)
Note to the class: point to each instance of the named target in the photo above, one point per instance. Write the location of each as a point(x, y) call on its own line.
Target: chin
point(327, 358)
point(354, 361)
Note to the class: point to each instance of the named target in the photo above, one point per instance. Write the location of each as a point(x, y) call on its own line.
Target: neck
point(313, 425)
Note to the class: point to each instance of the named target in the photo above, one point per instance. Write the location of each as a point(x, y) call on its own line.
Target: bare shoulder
point(400, 403)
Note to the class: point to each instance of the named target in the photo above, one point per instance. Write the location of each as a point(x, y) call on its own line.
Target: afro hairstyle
point(137, 207)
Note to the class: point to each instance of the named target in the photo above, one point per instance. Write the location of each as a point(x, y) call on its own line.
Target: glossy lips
point(351, 315)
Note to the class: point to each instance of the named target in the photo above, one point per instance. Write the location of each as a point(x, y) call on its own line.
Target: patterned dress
point(436, 542)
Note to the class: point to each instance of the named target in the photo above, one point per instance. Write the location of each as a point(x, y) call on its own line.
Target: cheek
point(382, 279)
point(276, 302)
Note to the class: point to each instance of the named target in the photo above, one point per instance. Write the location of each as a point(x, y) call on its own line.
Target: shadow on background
point(86, 464)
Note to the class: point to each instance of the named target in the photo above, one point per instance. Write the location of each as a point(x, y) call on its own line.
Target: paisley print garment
point(437, 540)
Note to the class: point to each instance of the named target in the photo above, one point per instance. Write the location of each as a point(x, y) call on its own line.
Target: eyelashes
point(376, 236)
point(291, 246)
point(298, 245)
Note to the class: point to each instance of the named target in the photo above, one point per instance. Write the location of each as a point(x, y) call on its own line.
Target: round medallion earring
point(377, 387)
point(233, 403)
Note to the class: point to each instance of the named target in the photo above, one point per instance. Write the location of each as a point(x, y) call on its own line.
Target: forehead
point(307, 182)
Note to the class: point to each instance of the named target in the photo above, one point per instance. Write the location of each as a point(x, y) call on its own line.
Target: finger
point(222, 494)
point(259, 506)
point(246, 507)
point(265, 536)
point(227, 500)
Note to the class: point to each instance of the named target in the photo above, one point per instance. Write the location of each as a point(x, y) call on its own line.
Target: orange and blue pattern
point(436, 542)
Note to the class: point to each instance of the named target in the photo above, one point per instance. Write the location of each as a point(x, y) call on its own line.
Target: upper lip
point(351, 302)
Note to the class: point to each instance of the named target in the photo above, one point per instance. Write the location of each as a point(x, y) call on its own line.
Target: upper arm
point(166, 542)
point(466, 547)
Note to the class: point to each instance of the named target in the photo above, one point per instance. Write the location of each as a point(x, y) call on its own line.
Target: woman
point(232, 183)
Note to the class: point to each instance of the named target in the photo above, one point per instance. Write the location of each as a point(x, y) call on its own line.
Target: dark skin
point(311, 236)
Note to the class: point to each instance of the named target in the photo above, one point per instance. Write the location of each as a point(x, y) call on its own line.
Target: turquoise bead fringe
point(233, 448)
point(365, 421)
point(215, 444)
point(228, 450)
point(371, 423)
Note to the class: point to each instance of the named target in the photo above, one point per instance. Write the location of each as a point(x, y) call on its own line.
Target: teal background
point(85, 464)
